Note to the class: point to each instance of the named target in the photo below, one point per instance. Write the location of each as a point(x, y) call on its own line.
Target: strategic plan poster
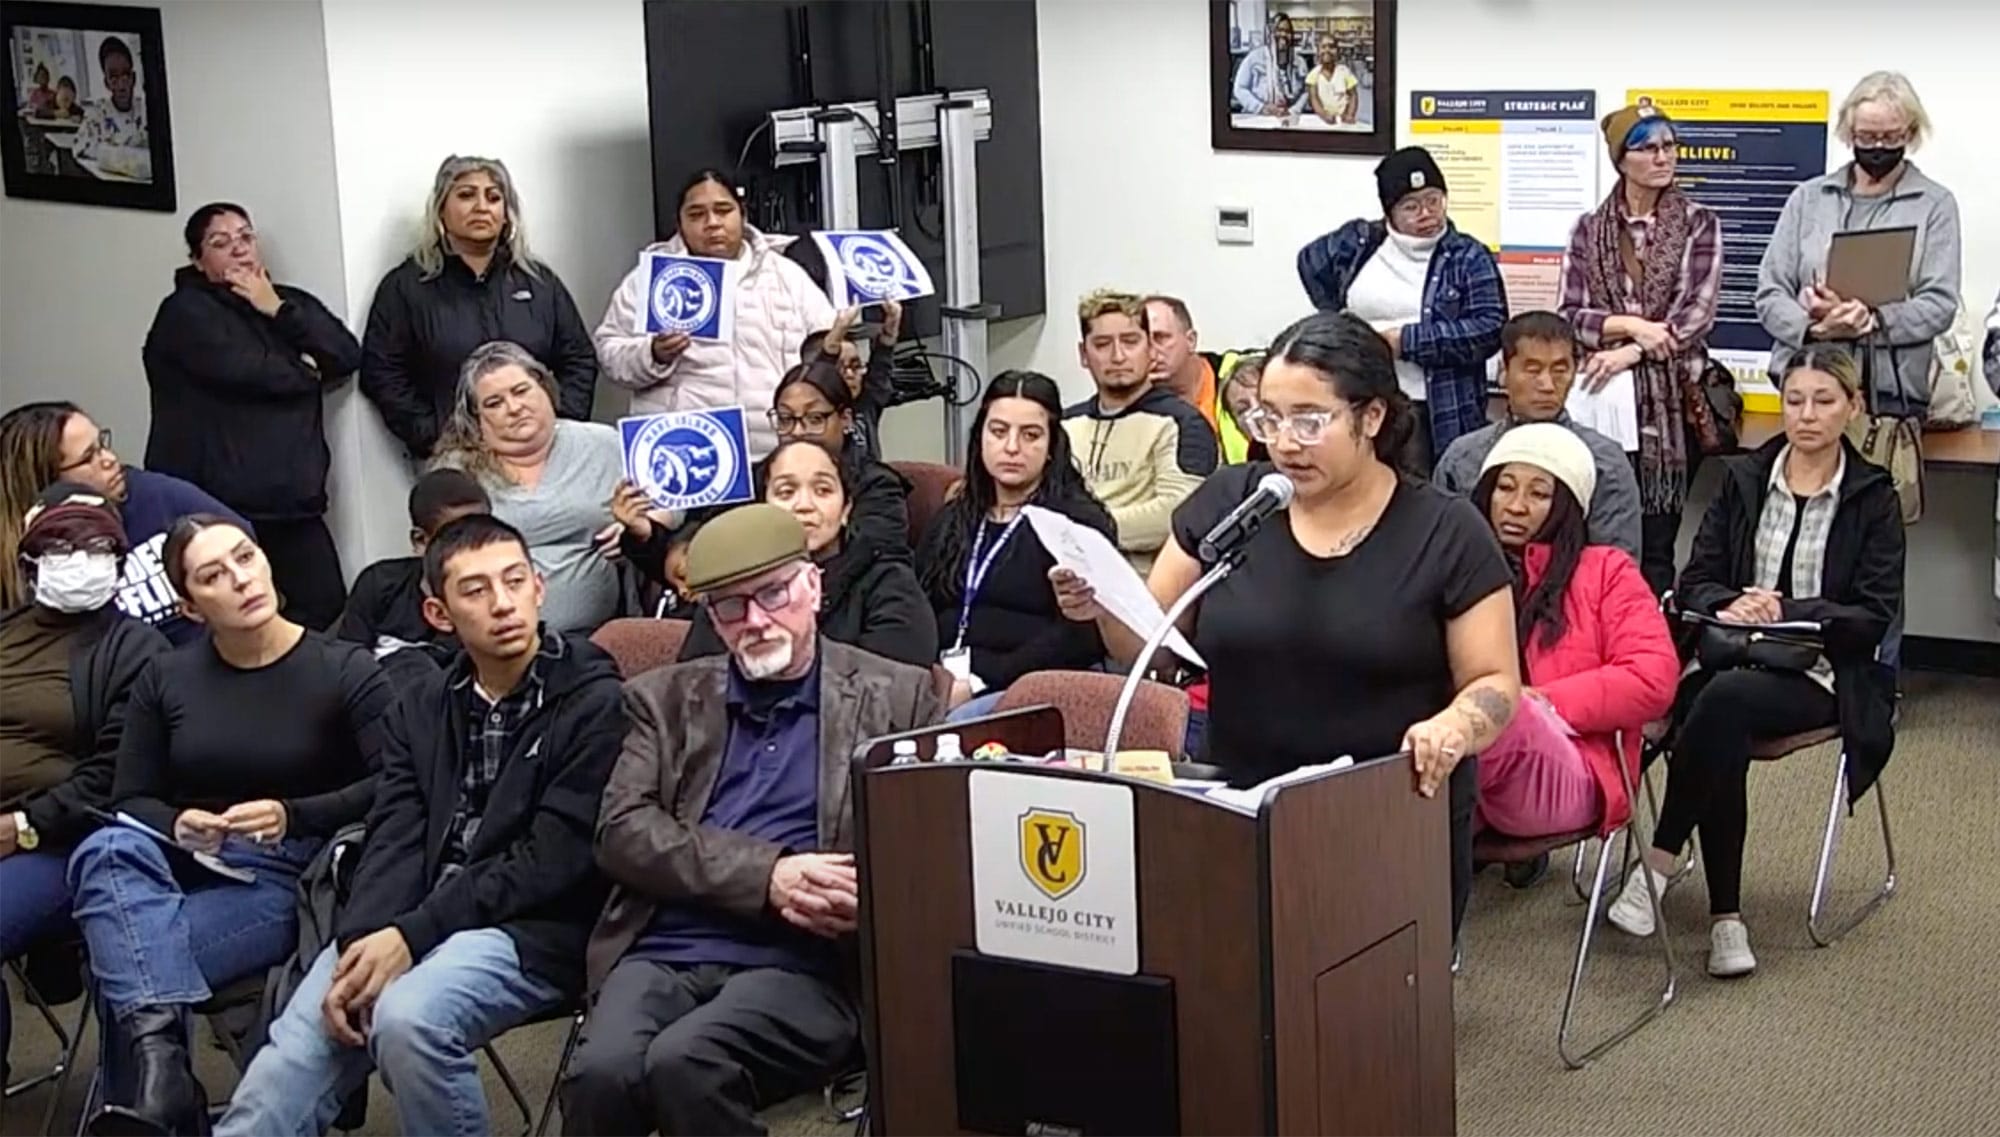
point(1741, 154)
point(1522, 167)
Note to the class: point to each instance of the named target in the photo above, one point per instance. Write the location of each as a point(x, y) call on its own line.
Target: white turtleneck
point(1389, 291)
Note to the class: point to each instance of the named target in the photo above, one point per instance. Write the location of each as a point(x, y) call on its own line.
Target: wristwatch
point(24, 833)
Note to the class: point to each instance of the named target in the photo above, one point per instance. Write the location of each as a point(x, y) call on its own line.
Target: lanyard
point(976, 569)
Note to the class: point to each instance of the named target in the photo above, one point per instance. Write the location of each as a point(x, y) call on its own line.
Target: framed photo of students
point(85, 91)
point(1308, 76)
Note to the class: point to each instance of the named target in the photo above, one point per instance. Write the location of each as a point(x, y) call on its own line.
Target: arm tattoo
point(1485, 712)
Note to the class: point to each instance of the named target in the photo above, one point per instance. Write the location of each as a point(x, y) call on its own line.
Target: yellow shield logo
point(1427, 106)
point(1052, 851)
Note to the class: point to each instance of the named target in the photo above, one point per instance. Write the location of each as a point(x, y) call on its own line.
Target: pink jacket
point(777, 307)
point(1614, 667)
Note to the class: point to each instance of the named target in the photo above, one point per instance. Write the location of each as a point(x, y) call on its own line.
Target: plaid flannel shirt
point(490, 732)
point(1464, 305)
point(1774, 531)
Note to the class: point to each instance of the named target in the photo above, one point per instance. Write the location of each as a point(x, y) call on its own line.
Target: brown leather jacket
point(650, 840)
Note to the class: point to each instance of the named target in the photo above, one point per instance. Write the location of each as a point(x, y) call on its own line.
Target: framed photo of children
point(1309, 76)
point(86, 102)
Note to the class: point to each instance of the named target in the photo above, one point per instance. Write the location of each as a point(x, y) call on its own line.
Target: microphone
point(1273, 493)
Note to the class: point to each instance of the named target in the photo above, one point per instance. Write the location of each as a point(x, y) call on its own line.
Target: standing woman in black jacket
point(237, 368)
point(471, 280)
point(869, 596)
point(69, 658)
point(1804, 528)
point(252, 747)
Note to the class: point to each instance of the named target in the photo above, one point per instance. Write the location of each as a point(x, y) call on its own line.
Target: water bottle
point(947, 749)
point(904, 752)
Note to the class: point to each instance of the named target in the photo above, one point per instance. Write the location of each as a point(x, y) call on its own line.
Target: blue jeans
point(429, 1025)
point(976, 707)
point(34, 906)
point(162, 930)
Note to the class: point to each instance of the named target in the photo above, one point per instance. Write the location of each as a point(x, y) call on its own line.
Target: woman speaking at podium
point(1373, 614)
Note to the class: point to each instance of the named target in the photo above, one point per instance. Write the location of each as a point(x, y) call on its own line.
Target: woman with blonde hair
point(470, 280)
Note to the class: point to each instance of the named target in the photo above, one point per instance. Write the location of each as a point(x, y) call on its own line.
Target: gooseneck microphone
point(1273, 493)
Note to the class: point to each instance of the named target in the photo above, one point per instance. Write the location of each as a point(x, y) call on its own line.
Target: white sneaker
point(1632, 912)
point(1729, 949)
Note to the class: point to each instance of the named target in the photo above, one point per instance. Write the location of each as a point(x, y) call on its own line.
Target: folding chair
point(1822, 936)
point(68, 1042)
point(1493, 847)
point(533, 1124)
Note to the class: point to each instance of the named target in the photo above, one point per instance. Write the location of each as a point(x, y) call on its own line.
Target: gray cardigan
point(1613, 507)
point(1899, 351)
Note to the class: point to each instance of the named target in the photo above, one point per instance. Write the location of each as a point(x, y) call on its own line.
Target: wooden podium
point(1304, 952)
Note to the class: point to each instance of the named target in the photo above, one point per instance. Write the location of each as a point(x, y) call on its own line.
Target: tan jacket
point(650, 839)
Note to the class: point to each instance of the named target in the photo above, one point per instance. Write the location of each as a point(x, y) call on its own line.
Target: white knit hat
point(1551, 447)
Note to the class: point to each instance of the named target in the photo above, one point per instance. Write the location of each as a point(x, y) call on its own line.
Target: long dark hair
point(1352, 359)
point(1062, 487)
point(1566, 533)
point(844, 468)
point(30, 457)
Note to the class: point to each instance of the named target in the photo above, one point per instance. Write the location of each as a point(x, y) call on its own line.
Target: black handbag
point(1721, 646)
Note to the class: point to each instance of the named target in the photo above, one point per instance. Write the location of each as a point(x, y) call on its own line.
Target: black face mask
point(1877, 161)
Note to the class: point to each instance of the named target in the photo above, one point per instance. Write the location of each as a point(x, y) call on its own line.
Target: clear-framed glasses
point(1667, 148)
point(1887, 140)
point(223, 242)
point(771, 598)
point(1307, 428)
point(62, 547)
point(95, 451)
point(785, 422)
point(1420, 204)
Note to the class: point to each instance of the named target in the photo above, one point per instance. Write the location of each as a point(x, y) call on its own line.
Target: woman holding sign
point(772, 306)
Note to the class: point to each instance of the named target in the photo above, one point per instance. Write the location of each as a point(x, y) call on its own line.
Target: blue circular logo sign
point(689, 460)
point(873, 267)
point(684, 298)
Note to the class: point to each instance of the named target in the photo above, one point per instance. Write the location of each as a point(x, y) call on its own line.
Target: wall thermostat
point(1232, 225)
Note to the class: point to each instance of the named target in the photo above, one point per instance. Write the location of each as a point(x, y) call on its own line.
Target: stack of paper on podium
point(1090, 555)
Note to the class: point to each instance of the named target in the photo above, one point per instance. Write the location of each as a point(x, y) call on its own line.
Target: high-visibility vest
point(1235, 444)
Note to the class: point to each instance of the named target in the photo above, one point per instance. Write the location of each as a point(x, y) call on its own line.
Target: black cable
point(743, 155)
point(978, 380)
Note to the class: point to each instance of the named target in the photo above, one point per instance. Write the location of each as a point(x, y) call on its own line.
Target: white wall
point(557, 92)
point(79, 284)
point(1132, 193)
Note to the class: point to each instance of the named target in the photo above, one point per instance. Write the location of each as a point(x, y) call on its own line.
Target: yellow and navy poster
point(1521, 167)
point(1742, 153)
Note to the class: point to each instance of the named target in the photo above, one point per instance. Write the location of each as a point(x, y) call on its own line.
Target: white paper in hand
point(1091, 555)
point(1612, 412)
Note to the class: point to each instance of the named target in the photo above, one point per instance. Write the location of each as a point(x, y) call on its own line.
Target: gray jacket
point(1898, 353)
point(1613, 506)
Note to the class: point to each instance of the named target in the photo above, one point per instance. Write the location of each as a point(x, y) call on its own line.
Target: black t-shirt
point(1311, 657)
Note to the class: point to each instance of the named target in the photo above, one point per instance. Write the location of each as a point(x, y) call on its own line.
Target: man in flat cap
point(717, 972)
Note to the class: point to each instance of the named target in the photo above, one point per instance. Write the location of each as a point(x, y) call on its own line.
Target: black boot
point(166, 1098)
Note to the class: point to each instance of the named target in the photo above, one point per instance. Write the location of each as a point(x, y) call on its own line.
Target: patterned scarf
point(1669, 392)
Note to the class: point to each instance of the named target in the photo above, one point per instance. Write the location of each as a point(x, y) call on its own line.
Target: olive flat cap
point(741, 543)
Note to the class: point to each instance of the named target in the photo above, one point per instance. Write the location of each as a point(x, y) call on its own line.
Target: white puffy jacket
point(777, 307)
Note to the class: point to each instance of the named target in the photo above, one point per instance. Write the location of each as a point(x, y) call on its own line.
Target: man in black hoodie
point(237, 367)
point(476, 888)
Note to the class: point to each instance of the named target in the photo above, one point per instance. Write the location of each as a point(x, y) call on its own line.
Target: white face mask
point(75, 582)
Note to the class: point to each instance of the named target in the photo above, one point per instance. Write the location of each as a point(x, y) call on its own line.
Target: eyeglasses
point(1657, 149)
point(1887, 140)
point(771, 598)
point(1308, 428)
point(1418, 204)
point(62, 547)
point(222, 242)
point(95, 451)
point(785, 422)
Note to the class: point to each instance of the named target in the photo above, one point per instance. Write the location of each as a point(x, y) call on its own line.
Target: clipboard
point(1872, 265)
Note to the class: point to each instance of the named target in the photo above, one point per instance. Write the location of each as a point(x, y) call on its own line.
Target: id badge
point(958, 661)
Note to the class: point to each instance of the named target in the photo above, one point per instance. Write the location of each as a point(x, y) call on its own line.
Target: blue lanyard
point(976, 570)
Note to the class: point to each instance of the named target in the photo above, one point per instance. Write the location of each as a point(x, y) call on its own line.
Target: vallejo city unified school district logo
point(874, 267)
point(687, 458)
point(1052, 852)
point(685, 298)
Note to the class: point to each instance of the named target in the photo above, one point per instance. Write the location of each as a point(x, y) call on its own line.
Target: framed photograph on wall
point(1309, 76)
point(86, 103)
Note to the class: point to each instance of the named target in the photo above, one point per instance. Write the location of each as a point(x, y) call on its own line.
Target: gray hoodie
point(1898, 353)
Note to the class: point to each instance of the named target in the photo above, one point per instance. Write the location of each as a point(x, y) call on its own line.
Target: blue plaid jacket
point(1464, 305)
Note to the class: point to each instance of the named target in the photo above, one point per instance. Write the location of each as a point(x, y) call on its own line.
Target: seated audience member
point(1538, 354)
point(1177, 365)
point(69, 658)
point(476, 889)
point(984, 571)
point(655, 550)
point(1598, 657)
point(253, 747)
point(115, 136)
point(776, 305)
point(1803, 528)
point(813, 404)
point(1432, 293)
point(1640, 283)
point(45, 443)
point(470, 280)
point(872, 386)
point(548, 477)
point(385, 612)
point(869, 596)
point(238, 369)
point(1143, 448)
point(1239, 398)
point(716, 970)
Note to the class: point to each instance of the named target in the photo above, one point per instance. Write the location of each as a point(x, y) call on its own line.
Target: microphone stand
point(1225, 565)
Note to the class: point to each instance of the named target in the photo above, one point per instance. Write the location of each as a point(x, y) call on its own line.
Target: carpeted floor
point(1895, 1030)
